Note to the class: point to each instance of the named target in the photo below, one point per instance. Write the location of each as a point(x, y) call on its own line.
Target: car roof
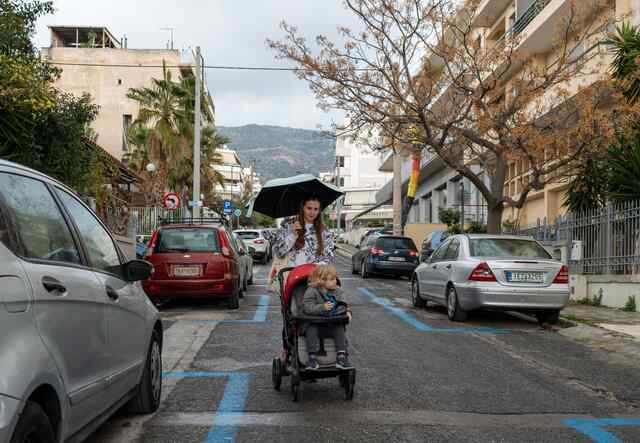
point(499, 236)
point(187, 225)
point(394, 236)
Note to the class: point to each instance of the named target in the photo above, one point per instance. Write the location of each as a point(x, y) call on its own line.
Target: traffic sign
point(238, 212)
point(171, 200)
point(227, 207)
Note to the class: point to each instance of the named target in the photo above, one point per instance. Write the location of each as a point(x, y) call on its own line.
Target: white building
point(249, 175)
point(231, 170)
point(357, 174)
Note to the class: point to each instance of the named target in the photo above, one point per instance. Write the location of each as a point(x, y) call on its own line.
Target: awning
point(373, 208)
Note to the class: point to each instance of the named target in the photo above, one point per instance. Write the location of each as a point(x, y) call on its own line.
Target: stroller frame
point(288, 364)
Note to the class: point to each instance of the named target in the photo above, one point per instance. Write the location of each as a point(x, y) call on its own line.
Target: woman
point(306, 240)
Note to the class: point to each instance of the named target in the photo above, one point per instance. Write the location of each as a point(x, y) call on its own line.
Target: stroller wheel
point(276, 373)
point(349, 384)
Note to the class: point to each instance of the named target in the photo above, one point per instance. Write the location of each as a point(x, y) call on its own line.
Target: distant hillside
point(281, 152)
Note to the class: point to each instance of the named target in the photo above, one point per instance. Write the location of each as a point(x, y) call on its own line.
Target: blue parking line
point(232, 404)
point(419, 325)
point(593, 428)
point(260, 316)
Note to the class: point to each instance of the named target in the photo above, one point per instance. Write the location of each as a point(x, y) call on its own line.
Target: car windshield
point(188, 240)
point(396, 243)
point(248, 235)
point(506, 247)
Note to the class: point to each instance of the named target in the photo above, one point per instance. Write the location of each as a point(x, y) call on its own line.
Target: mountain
point(278, 151)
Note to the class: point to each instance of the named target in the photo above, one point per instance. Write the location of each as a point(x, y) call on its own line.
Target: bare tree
point(427, 75)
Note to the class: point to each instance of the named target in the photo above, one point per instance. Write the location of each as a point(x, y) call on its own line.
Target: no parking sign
point(171, 200)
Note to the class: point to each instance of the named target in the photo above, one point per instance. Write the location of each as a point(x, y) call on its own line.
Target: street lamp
point(151, 168)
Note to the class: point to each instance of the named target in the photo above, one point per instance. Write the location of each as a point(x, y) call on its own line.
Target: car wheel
point(454, 312)
point(550, 317)
point(234, 299)
point(147, 399)
point(33, 426)
point(416, 300)
point(363, 269)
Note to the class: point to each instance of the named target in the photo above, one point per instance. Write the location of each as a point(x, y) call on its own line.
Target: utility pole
point(397, 192)
point(462, 205)
point(339, 202)
point(196, 142)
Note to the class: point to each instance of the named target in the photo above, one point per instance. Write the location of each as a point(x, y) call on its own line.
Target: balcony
point(527, 17)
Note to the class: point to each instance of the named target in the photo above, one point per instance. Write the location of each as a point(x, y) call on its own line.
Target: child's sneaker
point(313, 363)
point(342, 362)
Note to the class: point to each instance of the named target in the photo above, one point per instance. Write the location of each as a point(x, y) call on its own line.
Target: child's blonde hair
point(321, 274)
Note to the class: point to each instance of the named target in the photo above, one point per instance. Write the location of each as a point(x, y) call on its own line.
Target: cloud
point(229, 32)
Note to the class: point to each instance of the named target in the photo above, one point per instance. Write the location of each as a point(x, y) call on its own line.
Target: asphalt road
point(420, 378)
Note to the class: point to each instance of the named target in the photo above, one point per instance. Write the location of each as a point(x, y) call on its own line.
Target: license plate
point(186, 271)
point(525, 277)
point(396, 259)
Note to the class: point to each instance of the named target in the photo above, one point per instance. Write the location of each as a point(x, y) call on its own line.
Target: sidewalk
point(611, 319)
point(346, 249)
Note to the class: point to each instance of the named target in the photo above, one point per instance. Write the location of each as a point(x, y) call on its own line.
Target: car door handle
point(112, 293)
point(53, 285)
point(448, 266)
point(435, 266)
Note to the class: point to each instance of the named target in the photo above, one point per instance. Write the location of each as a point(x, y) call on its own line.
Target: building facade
point(231, 170)
point(93, 61)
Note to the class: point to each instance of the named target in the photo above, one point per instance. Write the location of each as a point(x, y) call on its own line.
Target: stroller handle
point(281, 275)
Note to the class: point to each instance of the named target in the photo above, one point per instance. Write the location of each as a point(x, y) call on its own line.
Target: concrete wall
point(615, 289)
point(108, 86)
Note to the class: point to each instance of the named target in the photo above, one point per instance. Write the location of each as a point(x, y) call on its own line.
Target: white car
point(257, 244)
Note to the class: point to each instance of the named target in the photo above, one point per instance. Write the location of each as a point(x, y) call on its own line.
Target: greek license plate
point(525, 277)
point(396, 259)
point(186, 271)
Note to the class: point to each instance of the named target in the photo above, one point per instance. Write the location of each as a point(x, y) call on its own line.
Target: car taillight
point(482, 272)
point(259, 241)
point(563, 275)
point(413, 253)
point(377, 251)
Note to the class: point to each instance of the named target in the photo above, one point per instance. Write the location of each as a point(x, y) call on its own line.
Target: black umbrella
point(282, 197)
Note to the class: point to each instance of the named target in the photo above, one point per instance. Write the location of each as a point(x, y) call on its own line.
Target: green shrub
point(630, 306)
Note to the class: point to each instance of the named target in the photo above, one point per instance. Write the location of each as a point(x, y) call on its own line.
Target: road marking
point(233, 401)
point(593, 428)
point(419, 325)
point(260, 316)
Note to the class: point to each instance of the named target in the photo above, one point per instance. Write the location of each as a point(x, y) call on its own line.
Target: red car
point(193, 261)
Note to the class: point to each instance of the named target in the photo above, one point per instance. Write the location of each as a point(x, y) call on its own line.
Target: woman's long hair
point(317, 224)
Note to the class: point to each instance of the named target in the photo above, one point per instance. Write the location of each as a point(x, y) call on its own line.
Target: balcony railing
point(527, 17)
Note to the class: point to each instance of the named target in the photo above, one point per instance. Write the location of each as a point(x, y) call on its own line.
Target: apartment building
point(94, 61)
point(357, 174)
point(231, 170)
point(535, 24)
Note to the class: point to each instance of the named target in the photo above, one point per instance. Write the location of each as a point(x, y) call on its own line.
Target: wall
point(616, 289)
point(418, 231)
point(102, 83)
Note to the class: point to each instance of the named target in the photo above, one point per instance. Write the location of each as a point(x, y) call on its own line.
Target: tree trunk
point(494, 218)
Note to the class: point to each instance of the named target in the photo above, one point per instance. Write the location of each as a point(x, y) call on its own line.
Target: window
point(441, 252)
point(248, 235)
point(387, 243)
point(119, 81)
point(340, 161)
point(188, 240)
point(506, 247)
point(101, 250)
point(452, 250)
point(341, 182)
point(42, 231)
point(4, 231)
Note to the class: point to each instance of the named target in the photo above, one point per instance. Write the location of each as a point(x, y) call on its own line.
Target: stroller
point(294, 358)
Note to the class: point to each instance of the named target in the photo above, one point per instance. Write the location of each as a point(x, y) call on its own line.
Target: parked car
point(474, 271)
point(246, 262)
point(431, 243)
point(260, 246)
point(385, 254)
point(194, 259)
point(376, 232)
point(78, 337)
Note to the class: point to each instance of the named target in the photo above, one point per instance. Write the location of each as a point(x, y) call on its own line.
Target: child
point(322, 298)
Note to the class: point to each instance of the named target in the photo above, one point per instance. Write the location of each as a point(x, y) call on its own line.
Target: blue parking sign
point(227, 204)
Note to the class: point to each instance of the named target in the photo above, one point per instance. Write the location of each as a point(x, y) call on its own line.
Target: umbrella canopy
point(282, 197)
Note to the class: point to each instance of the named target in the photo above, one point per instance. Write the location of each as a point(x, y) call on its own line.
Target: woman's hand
point(328, 306)
point(349, 315)
point(297, 226)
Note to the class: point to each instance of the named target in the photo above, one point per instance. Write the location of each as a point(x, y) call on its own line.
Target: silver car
point(469, 272)
point(78, 338)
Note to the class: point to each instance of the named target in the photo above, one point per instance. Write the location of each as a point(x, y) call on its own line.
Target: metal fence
point(609, 238)
point(146, 219)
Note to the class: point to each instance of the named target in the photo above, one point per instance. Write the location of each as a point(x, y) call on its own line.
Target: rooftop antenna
point(171, 30)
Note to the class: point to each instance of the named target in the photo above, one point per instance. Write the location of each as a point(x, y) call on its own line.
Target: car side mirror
point(137, 270)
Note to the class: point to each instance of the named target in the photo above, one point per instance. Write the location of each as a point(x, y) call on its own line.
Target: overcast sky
point(229, 32)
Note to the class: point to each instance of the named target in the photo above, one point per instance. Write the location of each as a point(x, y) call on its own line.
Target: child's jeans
point(335, 331)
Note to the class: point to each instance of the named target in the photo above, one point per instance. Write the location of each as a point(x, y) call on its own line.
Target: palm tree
point(625, 68)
